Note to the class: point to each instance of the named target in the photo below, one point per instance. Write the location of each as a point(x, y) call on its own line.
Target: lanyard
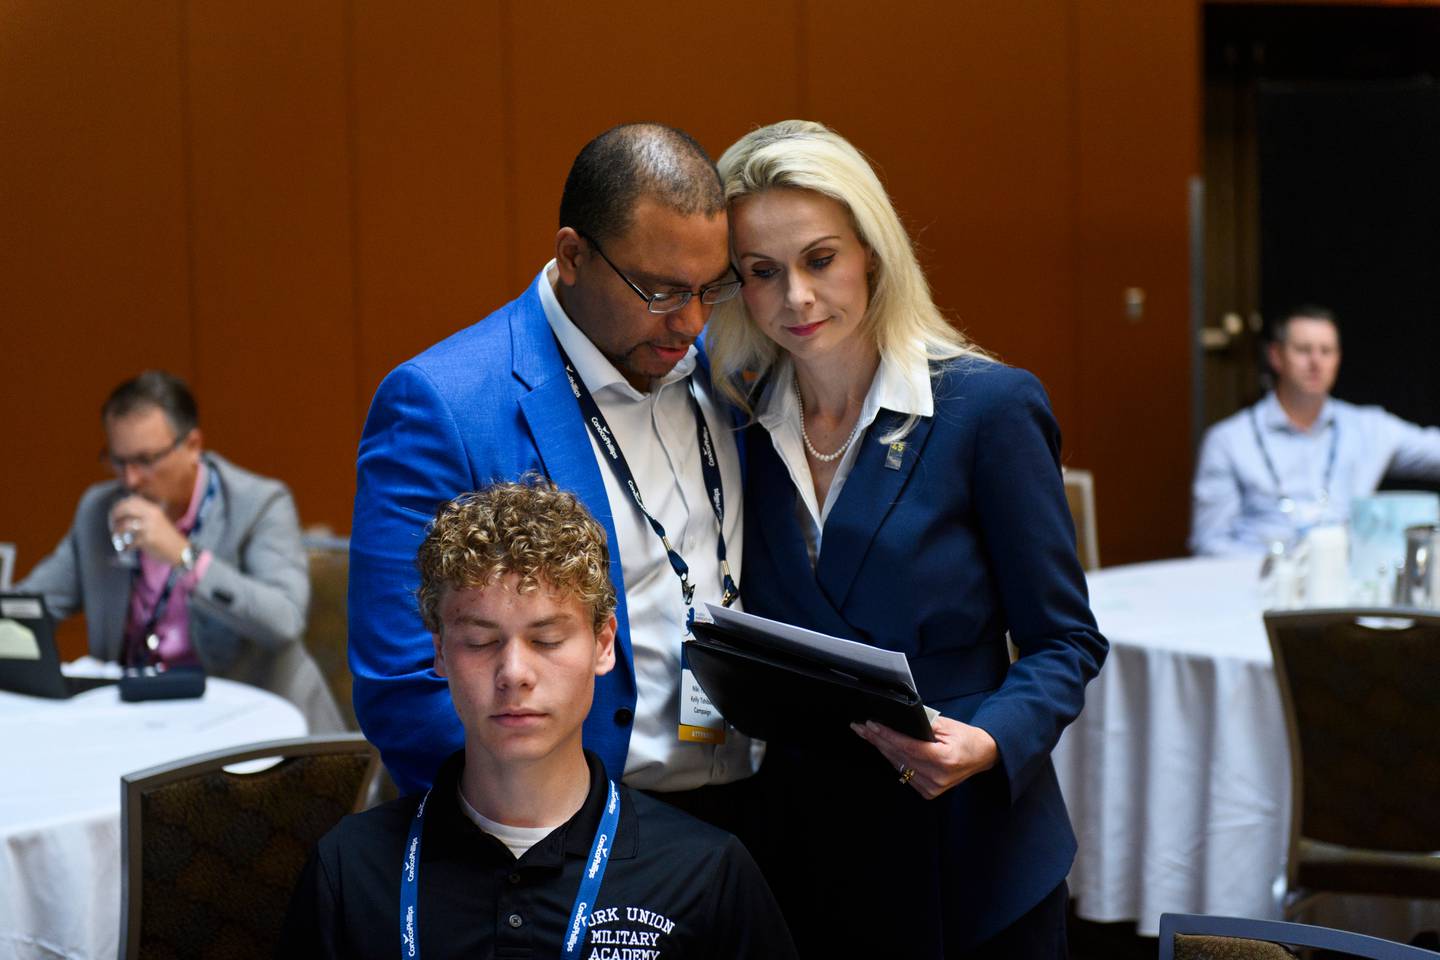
point(1287, 504)
point(590, 879)
point(709, 466)
point(135, 645)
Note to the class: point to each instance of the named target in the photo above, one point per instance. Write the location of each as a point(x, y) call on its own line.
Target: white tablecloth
point(1177, 772)
point(60, 768)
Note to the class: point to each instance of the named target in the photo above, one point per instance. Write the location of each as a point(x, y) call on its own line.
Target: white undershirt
point(904, 389)
point(656, 432)
point(518, 839)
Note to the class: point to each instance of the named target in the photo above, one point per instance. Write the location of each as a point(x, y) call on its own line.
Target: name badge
point(700, 720)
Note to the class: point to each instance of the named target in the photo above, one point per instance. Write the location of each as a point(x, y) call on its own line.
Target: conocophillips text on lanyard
point(591, 876)
point(600, 428)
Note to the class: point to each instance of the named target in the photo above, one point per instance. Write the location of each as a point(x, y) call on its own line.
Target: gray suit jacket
point(247, 613)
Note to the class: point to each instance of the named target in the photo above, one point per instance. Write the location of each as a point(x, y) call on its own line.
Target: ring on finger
point(907, 774)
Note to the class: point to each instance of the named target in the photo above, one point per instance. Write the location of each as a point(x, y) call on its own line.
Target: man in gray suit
point(185, 559)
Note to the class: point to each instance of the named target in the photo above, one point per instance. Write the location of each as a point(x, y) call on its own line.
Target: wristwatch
point(187, 558)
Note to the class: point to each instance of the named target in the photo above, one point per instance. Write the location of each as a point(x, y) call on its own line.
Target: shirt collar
point(1273, 416)
point(594, 368)
point(901, 385)
point(571, 839)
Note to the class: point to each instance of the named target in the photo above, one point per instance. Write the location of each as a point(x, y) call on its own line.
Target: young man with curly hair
point(524, 846)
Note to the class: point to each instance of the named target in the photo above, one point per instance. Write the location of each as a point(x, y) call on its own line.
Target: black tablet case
point(778, 695)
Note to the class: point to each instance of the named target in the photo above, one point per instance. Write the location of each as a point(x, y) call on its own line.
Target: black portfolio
point(774, 692)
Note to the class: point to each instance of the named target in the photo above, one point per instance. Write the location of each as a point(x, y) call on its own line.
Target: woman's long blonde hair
point(902, 318)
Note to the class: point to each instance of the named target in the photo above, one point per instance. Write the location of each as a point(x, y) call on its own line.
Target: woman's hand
point(959, 752)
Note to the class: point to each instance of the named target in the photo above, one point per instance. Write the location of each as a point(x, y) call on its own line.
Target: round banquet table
point(1177, 772)
point(60, 800)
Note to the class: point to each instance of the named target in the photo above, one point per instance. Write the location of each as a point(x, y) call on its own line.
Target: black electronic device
point(176, 683)
point(29, 659)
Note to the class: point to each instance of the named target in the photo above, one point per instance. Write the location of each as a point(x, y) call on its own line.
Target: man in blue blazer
point(641, 256)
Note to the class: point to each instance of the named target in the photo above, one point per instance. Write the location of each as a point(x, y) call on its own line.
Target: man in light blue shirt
point(1297, 458)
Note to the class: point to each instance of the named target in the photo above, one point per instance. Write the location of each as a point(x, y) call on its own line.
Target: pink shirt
point(173, 629)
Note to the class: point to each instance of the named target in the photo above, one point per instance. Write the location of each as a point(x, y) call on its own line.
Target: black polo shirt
point(674, 887)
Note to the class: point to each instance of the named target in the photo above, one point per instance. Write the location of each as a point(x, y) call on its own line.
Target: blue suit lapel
point(558, 429)
point(774, 513)
point(553, 414)
point(871, 489)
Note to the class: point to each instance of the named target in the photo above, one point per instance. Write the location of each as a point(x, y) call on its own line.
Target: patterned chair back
point(1205, 947)
point(327, 626)
point(1196, 937)
point(1080, 497)
point(211, 856)
point(1363, 716)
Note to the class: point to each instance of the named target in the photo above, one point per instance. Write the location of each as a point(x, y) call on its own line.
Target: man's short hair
point(154, 388)
point(1307, 311)
point(533, 530)
point(636, 161)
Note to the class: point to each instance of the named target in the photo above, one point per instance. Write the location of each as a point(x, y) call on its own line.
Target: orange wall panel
point(273, 267)
point(579, 69)
point(431, 166)
point(963, 108)
point(92, 242)
point(1137, 144)
point(282, 201)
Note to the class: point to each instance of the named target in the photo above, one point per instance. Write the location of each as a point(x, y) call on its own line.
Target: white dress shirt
point(1240, 506)
point(902, 388)
point(656, 432)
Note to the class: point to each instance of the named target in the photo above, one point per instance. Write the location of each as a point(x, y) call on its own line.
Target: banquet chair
point(1080, 495)
point(209, 856)
point(1363, 719)
point(327, 626)
point(1186, 936)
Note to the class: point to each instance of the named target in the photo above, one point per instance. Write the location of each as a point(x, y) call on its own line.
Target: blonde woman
point(903, 490)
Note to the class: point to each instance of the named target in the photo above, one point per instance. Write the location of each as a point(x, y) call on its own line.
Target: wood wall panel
point(1137, 127)
point(963, 108)
point(273, 269)
point(92, 242)
point(433, 219)
point(282, 201)
point(579, 69)
point(92, 229)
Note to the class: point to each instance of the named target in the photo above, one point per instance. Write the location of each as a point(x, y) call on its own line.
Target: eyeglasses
point(144, 461)
point(671, 302)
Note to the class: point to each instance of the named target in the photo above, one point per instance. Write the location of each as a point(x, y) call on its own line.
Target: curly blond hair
point(530, 529)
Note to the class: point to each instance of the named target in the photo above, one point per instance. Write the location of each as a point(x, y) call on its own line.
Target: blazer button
point(623, 716)
point(514, 920)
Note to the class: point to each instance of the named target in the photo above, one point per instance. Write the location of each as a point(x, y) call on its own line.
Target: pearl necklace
point(822, 457)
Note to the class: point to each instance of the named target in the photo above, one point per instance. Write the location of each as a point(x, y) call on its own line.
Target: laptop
point(29, 659)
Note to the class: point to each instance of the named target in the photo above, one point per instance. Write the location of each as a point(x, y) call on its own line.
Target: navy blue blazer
point(489, 403)
point(969, 538)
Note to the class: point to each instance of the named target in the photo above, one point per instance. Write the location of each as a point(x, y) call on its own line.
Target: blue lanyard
point(590, 880)
point(1275, 474)
point(709, 466)
point(134, 646)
